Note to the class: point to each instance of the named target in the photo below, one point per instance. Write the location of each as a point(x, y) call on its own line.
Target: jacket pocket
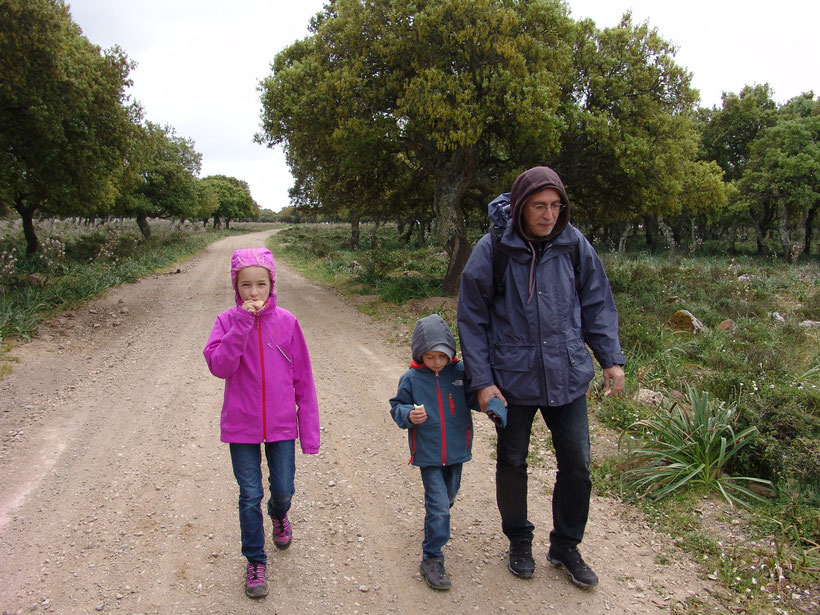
point(581, 370)
point(513, 369)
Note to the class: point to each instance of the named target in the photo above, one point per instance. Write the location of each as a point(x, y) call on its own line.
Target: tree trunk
point(142, 223)
point(421, 237)
point(630, 228)
point(762, 217)
point(670, 237)
point(760, 236)
point(453, 177)
point(733, 234)
point(27, 215)
point(355, 232)
point(651, 231)
point(406, 231)
point(374, 242)
point(809, 223)
point(792, 246)
point(693, 236)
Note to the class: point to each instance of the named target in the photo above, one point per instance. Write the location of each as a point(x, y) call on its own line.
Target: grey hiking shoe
point(435, 574)
point(521, 562)
point(579, 573)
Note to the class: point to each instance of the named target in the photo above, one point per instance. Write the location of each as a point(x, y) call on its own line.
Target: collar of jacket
point(414, 365)
point(518, 248)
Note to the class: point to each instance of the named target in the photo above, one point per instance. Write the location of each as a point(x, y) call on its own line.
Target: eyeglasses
point(540, 208)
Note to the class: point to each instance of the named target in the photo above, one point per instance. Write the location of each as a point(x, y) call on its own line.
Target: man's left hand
point(613, 380)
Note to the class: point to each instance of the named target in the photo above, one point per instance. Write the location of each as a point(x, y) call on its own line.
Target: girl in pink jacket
point(270, 398)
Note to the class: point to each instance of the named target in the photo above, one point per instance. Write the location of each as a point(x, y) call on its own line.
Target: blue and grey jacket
point(529, 338)
point(445, 438)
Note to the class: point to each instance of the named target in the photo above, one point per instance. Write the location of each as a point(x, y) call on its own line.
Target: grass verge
point(767, 368)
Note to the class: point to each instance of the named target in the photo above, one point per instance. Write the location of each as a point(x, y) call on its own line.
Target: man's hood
point(528, 183)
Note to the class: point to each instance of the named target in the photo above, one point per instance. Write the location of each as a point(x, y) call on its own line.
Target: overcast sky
point(199, 61)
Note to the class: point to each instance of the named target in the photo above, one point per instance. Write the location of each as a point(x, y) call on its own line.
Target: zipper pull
point(284, 355)
point(452, 404)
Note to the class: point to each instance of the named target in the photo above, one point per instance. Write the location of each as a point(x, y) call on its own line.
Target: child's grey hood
point(431, 331)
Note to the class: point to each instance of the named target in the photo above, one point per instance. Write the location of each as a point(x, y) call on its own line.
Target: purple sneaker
point(282, 533)
point(256, 585)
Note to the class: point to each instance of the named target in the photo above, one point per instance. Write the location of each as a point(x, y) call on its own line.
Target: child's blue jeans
point(441, 485)
point(247, 468)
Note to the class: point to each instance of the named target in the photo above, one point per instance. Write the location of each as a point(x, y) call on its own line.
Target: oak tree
point(65, 118)
point(462, 90)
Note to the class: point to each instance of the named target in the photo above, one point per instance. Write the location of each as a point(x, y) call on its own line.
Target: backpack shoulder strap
point(575, 257)
point(500, 260)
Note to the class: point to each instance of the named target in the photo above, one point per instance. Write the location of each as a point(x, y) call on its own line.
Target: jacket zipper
point(443, 427)
point(262, 366)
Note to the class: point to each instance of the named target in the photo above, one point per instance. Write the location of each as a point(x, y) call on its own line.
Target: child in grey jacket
point(433, 405)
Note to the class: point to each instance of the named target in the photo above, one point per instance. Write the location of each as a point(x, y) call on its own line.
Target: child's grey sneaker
point(521, 562)
point(282, 532)
point(579, 573)
point(256, 585)
point(435, 574)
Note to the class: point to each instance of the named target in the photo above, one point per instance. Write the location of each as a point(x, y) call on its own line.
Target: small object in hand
point(497, 411)
point(258, 305)
point(416, 407)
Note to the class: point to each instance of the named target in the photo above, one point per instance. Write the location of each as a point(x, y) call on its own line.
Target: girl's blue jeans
point(247, 468)
point(441, 485)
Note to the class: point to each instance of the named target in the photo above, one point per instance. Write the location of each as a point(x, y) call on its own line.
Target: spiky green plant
point(692, 445)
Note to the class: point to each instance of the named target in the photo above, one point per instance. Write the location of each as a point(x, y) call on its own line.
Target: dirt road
point(117, 496)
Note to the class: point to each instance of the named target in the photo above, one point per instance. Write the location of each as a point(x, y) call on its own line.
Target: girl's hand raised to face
point(253, 306)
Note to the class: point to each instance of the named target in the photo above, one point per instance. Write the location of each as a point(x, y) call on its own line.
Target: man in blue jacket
point(523, 332)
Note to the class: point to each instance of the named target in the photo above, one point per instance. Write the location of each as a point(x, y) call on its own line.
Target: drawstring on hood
point(525, 185)
point(253, 257)
point(531, 284)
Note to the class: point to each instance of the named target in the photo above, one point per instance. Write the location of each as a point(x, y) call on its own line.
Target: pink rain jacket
point(263, 358)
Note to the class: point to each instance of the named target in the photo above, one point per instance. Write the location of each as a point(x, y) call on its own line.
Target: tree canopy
point(64, 119)
point(459, 91)
point(233, 197)
point(782, 171)
point(470, 93)
point(163, 180)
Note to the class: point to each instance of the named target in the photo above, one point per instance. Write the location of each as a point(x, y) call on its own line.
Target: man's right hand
point(486, 394)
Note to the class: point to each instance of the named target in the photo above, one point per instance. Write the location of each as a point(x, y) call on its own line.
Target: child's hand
point(253, 306)
point(417, 415)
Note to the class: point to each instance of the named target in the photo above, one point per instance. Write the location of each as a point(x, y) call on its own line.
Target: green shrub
point(85, 248)
point(689, 446)
point(621, 412)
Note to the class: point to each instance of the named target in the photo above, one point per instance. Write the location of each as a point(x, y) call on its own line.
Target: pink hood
point(252, 257)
